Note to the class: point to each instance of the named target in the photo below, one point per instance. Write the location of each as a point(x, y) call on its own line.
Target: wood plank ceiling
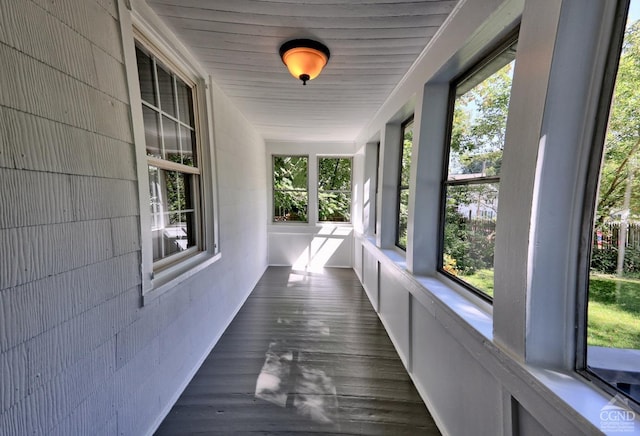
point(373, 44)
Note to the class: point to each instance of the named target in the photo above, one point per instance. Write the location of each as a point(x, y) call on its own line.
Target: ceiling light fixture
point(304, 58)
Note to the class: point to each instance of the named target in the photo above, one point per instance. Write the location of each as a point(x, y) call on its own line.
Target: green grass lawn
point(609, 326)
point(614, 311)
point(481, 279)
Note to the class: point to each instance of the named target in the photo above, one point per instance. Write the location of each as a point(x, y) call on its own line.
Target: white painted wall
point(79, 354)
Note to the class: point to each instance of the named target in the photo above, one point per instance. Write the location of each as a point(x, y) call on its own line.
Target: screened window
point(470, 189)
point(403, 183)
point(172, 160)
point(334, 189)
point(290, 188)
point(613, 306)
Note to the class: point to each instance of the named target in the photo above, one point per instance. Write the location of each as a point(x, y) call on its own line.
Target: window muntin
point(290, 188)
point(404, 173)
point(474, 157)
point(334, 189)
point(174, 174)
point(612, 333)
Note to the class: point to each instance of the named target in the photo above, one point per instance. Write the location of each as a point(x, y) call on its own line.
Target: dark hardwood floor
point(306, 354)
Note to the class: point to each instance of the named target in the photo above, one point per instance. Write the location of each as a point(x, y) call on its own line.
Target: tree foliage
point(480, 124)
point(622, 142)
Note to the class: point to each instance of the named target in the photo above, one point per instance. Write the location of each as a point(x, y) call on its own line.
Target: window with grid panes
point(334, 189)
point(480, 100)
point(290, 188)
point(172, 159)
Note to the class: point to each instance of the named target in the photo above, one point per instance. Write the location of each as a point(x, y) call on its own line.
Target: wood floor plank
point(306, 354)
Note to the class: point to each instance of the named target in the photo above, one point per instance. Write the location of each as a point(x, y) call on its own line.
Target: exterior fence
point(484, 226)
point(608, 235)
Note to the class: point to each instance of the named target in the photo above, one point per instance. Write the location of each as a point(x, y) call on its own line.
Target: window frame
point(273, 189)
point(349, 191)
point(485, 60)
point(377, 190)
point(590, 204)
point(400, 187)
point(140, 26)
point(193, 172)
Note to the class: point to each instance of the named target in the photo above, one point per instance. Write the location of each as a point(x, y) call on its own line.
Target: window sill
point(617, 359)
point(438, 293)
point(617, 368)
point(393, 254)
point(286, 227)
point(169, 278)
point(475, 312)
point(396, 256)
point(585, 399)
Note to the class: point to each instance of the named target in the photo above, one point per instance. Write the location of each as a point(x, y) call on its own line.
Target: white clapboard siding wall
point(79, 354)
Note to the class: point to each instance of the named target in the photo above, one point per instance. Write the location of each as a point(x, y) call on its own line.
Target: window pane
point(334, 206)
point(613, 319)
point(290, 197)
point(290, 206)
point(185, 102)
point(151, 132)
point(403, 184)
point(407, 145)
point(290, 172)
point(167, 96)
point(187, 144)
point(480, 122)
point(334, 189)
point(469, 233)
point(156, 197)
point(403, 215)
point(478, 129)
point(172, 213)
point(145, 76)
point(334, 174)
point(170, 136)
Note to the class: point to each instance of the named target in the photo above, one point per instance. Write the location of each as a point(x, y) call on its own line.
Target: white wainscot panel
point(315, 248)
point(358, 253)
point(289, 249)
point(394, 311)
point(528, 425)
point(332, 247)
point(370, 278)
point(458, 391)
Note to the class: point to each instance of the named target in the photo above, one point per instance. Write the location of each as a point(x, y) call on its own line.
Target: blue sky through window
point(634, 12)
